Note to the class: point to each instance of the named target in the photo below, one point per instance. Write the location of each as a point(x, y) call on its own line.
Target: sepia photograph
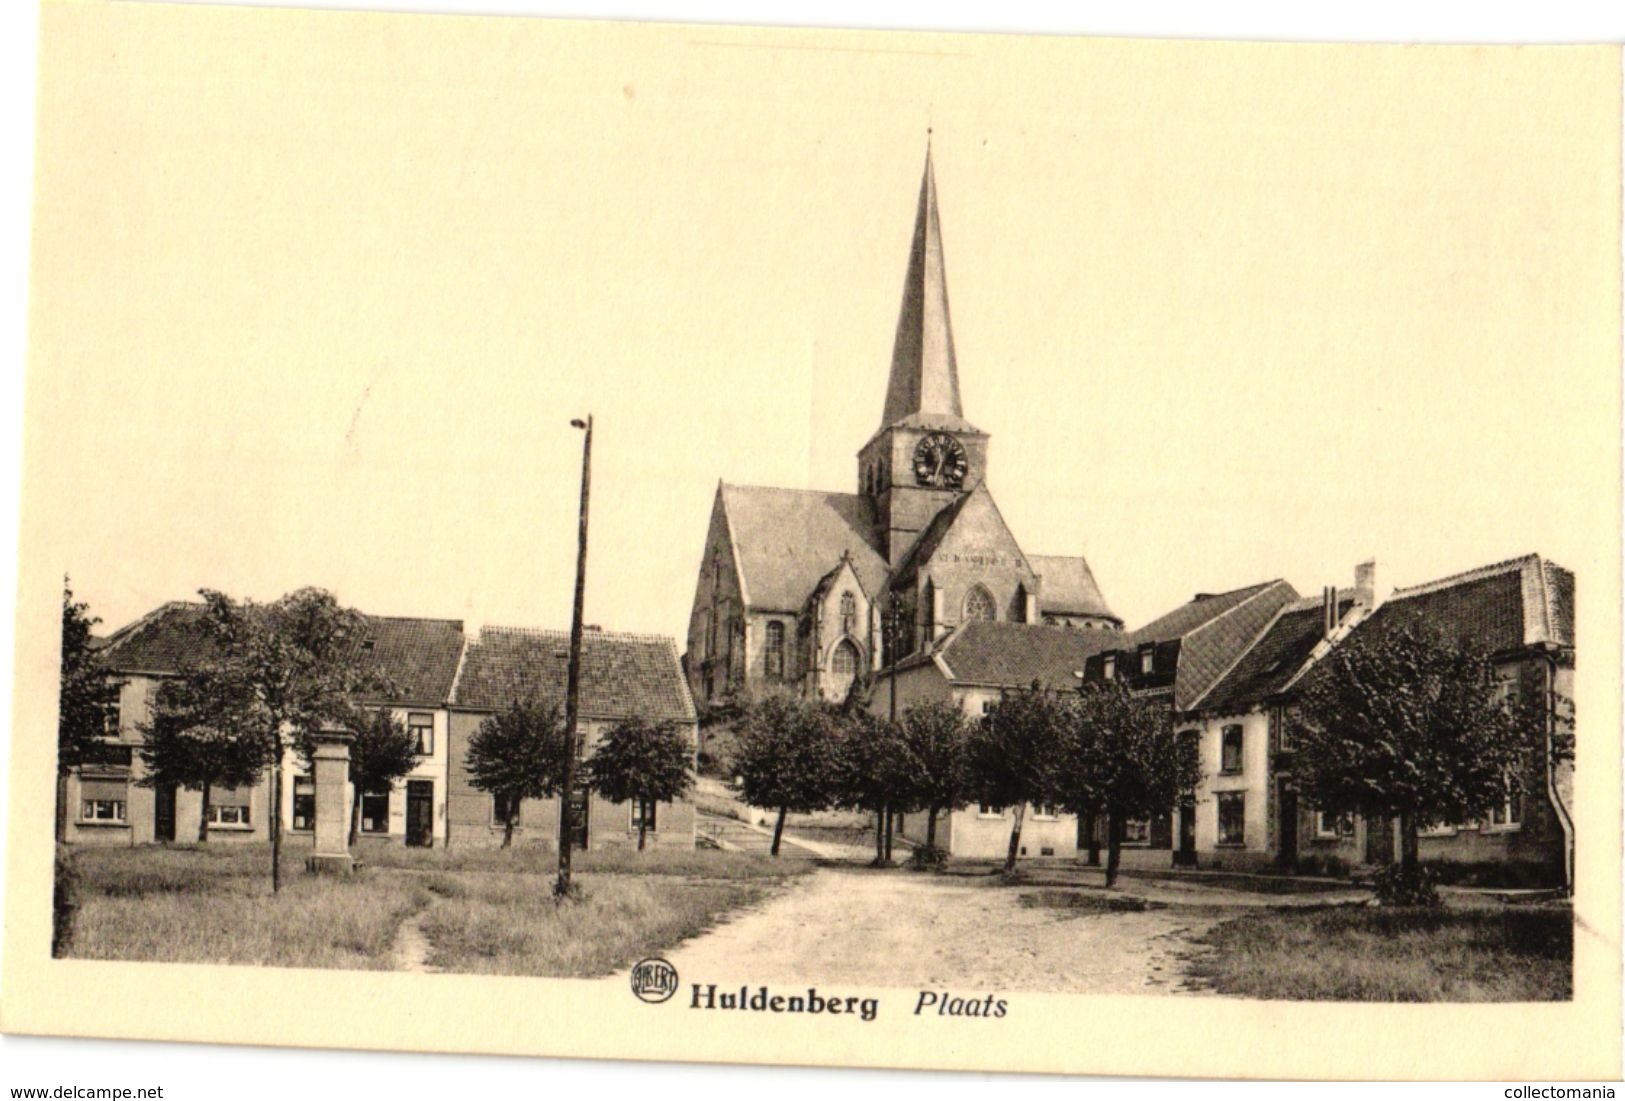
point(512, 527)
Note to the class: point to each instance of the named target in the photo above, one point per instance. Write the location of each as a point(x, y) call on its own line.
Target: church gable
point(970, 567)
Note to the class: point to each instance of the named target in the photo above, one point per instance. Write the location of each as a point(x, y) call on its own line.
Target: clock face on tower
point(939, 461)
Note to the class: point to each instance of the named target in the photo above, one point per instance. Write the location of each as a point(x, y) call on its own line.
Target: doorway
point(420, 813)
point(163, 813)
point(1185, 852)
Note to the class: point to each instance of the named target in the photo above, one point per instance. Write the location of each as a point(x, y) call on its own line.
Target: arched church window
point(1020, 615)
point(928, 612)
point(843, 669)
point(775, 649)
point(979, 604)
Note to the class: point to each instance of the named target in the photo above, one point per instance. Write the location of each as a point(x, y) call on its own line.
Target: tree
point(1400, 723)
point(1120, 754)
point(276, 672)
point(643, 762)
point(873, 770)
point(518, 754)
point(936, 734)
point(786, 757)
point(87, 700)
point(383, 751)
point(1011, 757)
point(190, 743)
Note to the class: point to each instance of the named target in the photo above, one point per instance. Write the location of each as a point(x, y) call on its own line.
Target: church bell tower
point(925, 454)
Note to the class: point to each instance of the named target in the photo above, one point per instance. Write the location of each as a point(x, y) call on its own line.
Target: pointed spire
point(924, 376)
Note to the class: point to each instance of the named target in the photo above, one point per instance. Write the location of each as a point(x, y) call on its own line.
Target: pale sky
point(316, 296)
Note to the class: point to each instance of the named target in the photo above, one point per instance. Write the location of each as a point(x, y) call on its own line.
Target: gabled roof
point(924, 374)
point(1269, 666)
point(1521, 602)
point(786, 540)
point(1014, 655)
point(623, 676)
point(1068, 586)
point(418, 656)
point(1201, 609)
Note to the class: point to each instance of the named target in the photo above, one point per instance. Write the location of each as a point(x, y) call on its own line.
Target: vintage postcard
point(520, 555)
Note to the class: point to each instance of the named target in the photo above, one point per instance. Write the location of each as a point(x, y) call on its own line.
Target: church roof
point(786, 540)
point(1068, 586)
point(924, 378)
point(1014, 655)
point(623, 676)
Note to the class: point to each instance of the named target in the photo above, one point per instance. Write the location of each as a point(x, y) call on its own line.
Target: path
point(410, 951)
point(855, 928)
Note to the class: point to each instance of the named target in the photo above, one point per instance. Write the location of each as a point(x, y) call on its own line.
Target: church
point(808, 589)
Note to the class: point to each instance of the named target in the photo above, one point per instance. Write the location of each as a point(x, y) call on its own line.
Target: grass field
point(1462, 953)
point(482, 911)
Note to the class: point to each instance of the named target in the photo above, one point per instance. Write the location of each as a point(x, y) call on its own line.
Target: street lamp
point(572, 682)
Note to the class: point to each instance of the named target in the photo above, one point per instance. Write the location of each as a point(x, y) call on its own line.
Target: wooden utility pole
point(572, 683)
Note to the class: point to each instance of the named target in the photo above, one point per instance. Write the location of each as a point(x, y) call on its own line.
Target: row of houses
point(447, 680)
point(1228, 664)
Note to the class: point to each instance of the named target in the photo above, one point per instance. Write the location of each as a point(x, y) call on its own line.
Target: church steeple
point(924, 376)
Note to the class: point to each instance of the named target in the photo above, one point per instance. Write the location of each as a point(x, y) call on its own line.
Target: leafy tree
point(1120, 754)
point(1400, 723)
point(275, 672)
point(189, 742)
point(383, 751)
point(1011, 757)
point(87, 698)
point(936, 735)
point(519, 753)
point(786, 757)
point(873, 770)
point(644, 762)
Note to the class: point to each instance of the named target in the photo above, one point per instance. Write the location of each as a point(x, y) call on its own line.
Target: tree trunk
point(507, 823)
point(890, 818)
point(880, 837)
point(1114, 848)
point(643, 822)
point(931, 828)
point(203, 815)
point(355, 813)
point(276, 820)
point(61, 806)
point(1089, 826)
point(1409, 848)
point(1015, 840)
point(778, 829)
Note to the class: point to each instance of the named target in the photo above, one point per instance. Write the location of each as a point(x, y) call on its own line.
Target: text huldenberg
point(763, 1000)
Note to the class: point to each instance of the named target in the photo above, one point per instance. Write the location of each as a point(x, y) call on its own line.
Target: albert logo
point(654, 980)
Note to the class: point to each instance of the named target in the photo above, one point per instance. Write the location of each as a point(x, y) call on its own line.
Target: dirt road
point(850, 926)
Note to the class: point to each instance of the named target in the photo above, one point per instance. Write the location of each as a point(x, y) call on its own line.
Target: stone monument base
point(330, 863)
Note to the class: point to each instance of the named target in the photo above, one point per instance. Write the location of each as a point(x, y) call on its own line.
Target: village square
point(896, 748)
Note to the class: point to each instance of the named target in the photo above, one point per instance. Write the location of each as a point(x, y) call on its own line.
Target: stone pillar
point(331, 766)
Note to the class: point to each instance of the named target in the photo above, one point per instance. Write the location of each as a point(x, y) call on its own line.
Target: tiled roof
point(418, 655)
point(622, 676)
point(1016, 654)
point(1068, 586)
point(1210, 649)
point(787, 539)
point(1521, 602)
point(1187, 617)
point(1268, 666)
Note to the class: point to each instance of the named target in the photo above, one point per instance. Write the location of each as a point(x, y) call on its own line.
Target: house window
point(644, 811)
point(775, 649)
point(1046, 811)
point(979, 604)
point(1232, 818)
point(987, 707)
point(103, 800)
point(989, 810)
point(1137, 831)
point(1509, 814)
point(375, 812)
point(1329, 826)
point(228, 814)
point(1230, 751)
point(1147, 659)
point(1108, 667)
point(420, 724)
point(110, 720)
point(304, 803)
point(499, 810)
